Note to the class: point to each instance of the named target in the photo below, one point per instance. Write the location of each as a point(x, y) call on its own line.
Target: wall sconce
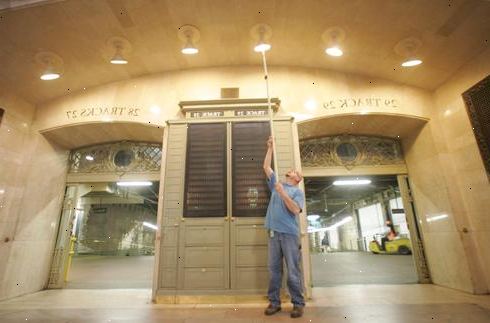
point(407, 48)
point(262, 34)
point(333, 38)
point(52, 65)
point(189, 35)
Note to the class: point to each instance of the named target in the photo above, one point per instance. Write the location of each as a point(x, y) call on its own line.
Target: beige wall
point(467, 183)
point(302, 92)
point(449, 182)
point(32, 173)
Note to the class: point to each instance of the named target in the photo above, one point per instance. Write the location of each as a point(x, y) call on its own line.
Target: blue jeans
point(287, 246)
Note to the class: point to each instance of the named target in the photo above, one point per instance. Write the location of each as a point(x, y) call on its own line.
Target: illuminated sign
point(251, 113)
point(206, 114)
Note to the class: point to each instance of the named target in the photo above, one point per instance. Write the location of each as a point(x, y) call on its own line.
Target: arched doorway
point(107, 227)
point(357, 191)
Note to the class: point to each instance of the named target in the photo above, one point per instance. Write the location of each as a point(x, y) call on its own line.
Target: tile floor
point(361, 268)
point(349, 303)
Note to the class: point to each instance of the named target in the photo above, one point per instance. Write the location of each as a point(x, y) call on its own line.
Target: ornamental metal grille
point(350, 151)
point(250, 192)
point(119, 157)
point(205, 184)
point(477, 100)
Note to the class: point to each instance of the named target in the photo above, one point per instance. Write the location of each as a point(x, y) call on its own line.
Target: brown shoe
point(271, 309)
point(297, 311)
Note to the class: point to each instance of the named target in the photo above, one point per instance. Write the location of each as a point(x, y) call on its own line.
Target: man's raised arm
point(268, 159)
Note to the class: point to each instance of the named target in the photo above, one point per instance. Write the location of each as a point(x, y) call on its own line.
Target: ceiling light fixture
point(189, 35)
point(407, 48)
point(145, 183)
point(334, 51)
point(51, 65)
point(332, 227)
point(262, 34)
point(333, 37)
point(150, 225)
point(119, 45)
point(118, 59)
point(352, 182)
point(49, 75)
point(412, 62)
point(313, 217)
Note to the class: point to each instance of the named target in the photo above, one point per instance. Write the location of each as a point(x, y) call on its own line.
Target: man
point(390, 234)
point(285, 206)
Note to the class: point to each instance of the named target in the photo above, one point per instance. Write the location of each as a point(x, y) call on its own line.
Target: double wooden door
point(215, 201)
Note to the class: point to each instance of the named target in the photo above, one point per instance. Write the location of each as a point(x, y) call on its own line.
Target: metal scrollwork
point(116, 158)
point(350, 151)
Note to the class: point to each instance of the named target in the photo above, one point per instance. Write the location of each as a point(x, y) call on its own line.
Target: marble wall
point(32, 175)
point(451, 188)
point(467, 183)
point(448, 263)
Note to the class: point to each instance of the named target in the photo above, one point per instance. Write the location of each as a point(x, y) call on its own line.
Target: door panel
point(250, 256)
point(254, 278)
point(251, 234)
point(204, 257)
point(201, 233)
point(204, 232)
point(204, 278)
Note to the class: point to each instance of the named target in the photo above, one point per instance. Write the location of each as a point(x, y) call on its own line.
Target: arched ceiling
point(452, 32)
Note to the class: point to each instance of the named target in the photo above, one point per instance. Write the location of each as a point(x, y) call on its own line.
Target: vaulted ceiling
point(452, 32)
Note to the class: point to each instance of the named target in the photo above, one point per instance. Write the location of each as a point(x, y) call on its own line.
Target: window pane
point(250, 191)
point(205, 185)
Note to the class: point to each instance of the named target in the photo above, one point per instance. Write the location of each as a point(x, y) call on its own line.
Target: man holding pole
point(285, 206)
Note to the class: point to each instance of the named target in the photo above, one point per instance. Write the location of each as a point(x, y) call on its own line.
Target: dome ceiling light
point(262, 34)
point(189, 35)
point(407, 48)
point(333, 38)
point(120, 46)
point(52, 65)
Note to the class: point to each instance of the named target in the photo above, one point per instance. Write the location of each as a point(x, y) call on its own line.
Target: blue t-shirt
point(278, 217)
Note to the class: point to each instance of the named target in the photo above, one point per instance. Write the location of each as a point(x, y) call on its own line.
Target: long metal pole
point(269, 105)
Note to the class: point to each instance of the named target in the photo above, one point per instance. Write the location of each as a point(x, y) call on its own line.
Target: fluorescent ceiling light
point(437, 217)
point(133, 183)
point(411, 62)
point(334, 51)
point(332, 227)
point(352, 182)
point(313, 217)
point(262, 47)
point(149, 225)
